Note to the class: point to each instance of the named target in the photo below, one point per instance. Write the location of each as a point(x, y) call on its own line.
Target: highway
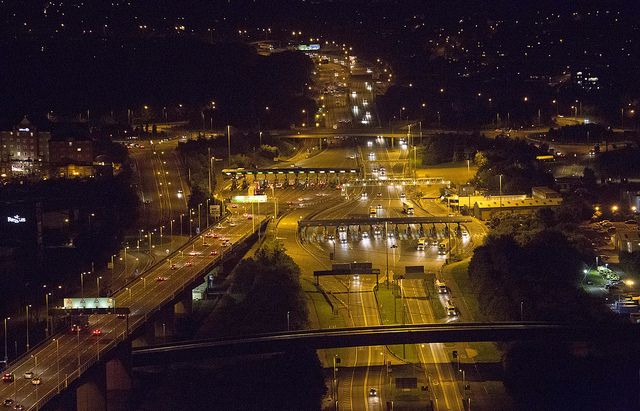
point(362, 367)
point(61, 359)
point(159, 178)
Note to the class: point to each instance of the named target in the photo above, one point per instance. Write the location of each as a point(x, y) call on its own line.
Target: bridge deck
point(378, 335)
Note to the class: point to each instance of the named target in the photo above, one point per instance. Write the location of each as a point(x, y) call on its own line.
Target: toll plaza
point(293, 176)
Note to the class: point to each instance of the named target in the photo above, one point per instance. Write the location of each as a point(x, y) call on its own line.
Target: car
point(373, 392)
point(8, 377)
point(209, 235)
point(18, 407)
point(96, 332)
point(161, 278)
point(36, 381)
point(403, 196)
point(365, 234)
point(188, 263)
point(356, 278)
point(7, 402)
point(219, 226)
point(121, 315)
point(364, 196)
point(28, 375)
point(77, 328)
point(379, 195)
point(331, 237)
point(249, 217)
point(232, 224)
point(379, 207)
point(214, 252)
point(174, 267)
point(465, 233)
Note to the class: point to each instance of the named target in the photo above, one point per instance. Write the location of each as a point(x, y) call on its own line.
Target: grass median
point(390, 310)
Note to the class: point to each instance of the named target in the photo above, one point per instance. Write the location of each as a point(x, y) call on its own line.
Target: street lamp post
point(181, 215)
point(82, 284)
point(28, 305)
point(500, 190)
point(46, 301)
point(98, 284)
point(207, 212)
point(199, 215)
point(57, 362)
point(229, 145)
point(150, 240)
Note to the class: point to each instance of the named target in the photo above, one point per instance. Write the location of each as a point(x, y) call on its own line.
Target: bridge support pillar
point(184, 306)
point(118, 376)
point(91, 394)
point(164, 325)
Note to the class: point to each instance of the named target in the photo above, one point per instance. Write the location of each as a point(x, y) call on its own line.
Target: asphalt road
point(159, 179)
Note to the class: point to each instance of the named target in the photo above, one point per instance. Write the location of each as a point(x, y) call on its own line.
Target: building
point(24, 151)
point(71, 157)
point(484, 209)
point(586, 80)
point(544, 193)
point(627, 240)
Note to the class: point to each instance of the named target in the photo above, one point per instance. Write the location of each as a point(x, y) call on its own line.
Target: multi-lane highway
point(161, 185)
point(61, 359)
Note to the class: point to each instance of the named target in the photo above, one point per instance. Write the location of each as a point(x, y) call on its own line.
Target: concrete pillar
point(185, 305)
point(164, 324)
point(91, 394)
point(118, 379)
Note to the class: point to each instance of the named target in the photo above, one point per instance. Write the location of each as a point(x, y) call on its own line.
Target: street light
point(500, 190)
point(6, 354)
point(28, 305)
point(46, 301)
point(98, 284)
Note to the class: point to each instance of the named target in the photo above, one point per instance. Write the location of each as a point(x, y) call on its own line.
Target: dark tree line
point(530, 267)
point(266, 291)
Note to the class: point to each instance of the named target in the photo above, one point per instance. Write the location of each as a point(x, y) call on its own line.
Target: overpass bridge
point(82, 364)
point(378, 335)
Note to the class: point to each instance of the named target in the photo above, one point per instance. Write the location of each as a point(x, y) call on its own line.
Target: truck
point(442, 248)
point(342, 234)
point(451, 309)
point(407, 208)
point(372, 212)
point(421, 243)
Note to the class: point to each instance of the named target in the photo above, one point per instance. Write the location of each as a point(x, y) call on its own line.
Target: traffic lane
point(419, 311)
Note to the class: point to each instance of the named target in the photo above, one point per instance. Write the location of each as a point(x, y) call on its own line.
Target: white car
point(28, 375)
